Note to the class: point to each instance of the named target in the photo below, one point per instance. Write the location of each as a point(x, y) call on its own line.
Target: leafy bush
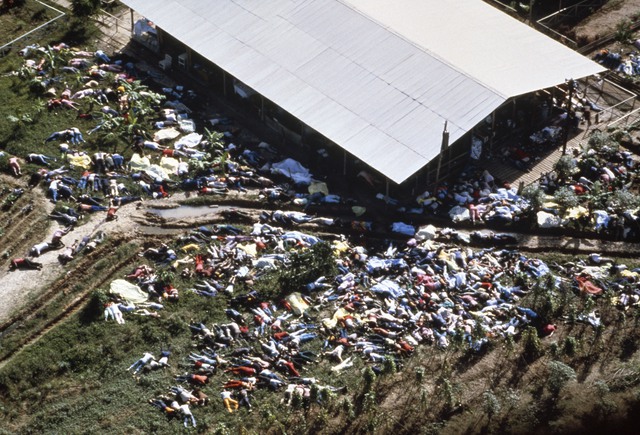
point(304, 266)
point(532, 347)
point(559, 375)
point(566, 198)
point(570, 346)
point(85, 8)
point(565, 166)
point(491, 404)
point(621, 200)
point(624, 32)
point(95, 307)
point(603, 143)
point(534, 194)
point(369, 379)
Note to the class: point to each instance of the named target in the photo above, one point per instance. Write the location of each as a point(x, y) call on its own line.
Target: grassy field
point(15, 22)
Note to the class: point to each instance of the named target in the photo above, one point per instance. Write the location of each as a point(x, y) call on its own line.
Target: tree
point(532, 345)
point(142, 105)
point(491, 404)
point(85, 8)
point(623, 199)
point(566, 198)
point(308, 265)
point(559, 375)
point(603, 143)
point(565, 167)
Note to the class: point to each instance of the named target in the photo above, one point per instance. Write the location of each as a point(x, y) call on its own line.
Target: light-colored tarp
point(169, 164)
point(548, 220)
point(298, 304)
point(165, 134)
point(318, 186)
point(128, 291)
point(292, 169)
point(83, 162)
point(427, 232)
point(459, 214)
point(140, 163)
point(389, 288)
point(189, 141)
point(402, 228)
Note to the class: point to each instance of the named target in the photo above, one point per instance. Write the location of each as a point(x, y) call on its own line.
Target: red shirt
point(548, 329)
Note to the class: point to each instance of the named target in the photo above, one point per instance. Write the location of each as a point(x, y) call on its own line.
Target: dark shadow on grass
point(94, 308)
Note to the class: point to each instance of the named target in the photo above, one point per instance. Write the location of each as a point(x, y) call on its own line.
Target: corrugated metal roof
point(377, 77)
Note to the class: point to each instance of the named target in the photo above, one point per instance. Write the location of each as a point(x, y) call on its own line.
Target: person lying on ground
point(193, 379)
point(112, 311)
point(63, 135)
point(64, 218)
point(40, 159)
point(14, 165)
point(35, 179)
point(24, 263)
point(145, 313)
point(39, 249)
point(122, 200)
point(55, 103)
point(182, 394)
point(140, 363)
point(56, 238)
point(168, 406)
point(67, 255)
point(91, 208)
point(228, 402)
point(82, 93)
point(159, 364)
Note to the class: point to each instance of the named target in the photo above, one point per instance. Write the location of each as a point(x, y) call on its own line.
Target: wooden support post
point(344, 163)
point(224, 83)
point(131, 11)
point(569, 120)
point(386, 194)
point(493, 132)
point(443, 147)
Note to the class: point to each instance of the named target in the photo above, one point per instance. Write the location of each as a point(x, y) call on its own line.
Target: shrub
point(624, 32)
point(603, 143)
point(491, 404)
point(370, 402)
point(348, 408)
point(369, 378)
point(85, 8)
point(559, 375)
point(532, 347)
point(95, 307)
point(389, 366)
point(534, 194)
point(565, 167)
point(304, 267)
point(570, 346)
point(566, 198)
point(621, 200)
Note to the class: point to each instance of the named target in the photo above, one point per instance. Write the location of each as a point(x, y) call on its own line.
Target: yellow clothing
point(229, 402)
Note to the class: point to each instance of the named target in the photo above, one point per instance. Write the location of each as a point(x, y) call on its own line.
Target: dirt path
point(606, 19)
point(21, 286)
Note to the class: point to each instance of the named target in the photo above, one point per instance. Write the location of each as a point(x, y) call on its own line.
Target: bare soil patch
point(606, 19)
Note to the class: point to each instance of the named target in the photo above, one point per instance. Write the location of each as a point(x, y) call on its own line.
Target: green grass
point(18, 21)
